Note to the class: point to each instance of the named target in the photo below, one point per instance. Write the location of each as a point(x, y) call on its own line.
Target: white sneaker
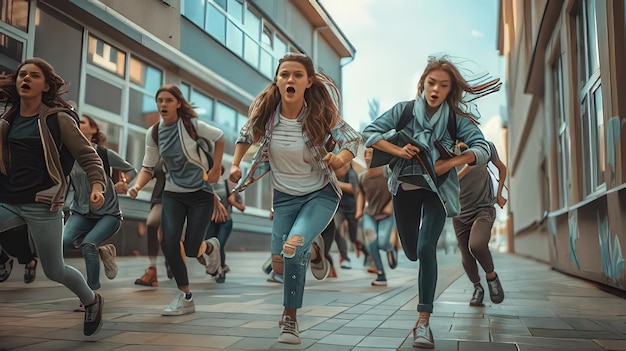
point(107, 255)
point(423, 337)
point(179, 306)
point(275, 278)
point(289, 333)
point(213, 260)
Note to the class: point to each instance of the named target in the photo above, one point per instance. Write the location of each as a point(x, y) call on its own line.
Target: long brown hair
point(322, 99)
point(460, 89)
point(185, 108)
point(98, 137)
point(51, 98)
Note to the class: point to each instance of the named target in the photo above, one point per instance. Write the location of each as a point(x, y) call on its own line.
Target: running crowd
point(426, 161)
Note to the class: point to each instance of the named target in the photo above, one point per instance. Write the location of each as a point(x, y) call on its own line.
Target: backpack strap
point(452, 125)
point(405, 117)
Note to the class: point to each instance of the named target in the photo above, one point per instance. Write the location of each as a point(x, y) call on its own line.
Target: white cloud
point(477, 34)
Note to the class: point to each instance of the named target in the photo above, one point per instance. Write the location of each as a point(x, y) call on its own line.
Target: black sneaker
point(93, 316)
point(477, 296)
point(30, 271)
point(5, 270)
point(495, 290)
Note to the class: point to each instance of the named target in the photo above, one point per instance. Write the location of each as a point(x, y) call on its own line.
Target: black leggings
point(420, 217)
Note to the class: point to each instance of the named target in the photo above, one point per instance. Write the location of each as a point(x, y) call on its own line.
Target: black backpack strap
point(406, 115)
point(155, 133)
point(104, 156)
point(452, 125)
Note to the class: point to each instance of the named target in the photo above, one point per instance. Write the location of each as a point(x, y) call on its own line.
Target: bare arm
point(144, 176)
point(501, 178)
point(235, 171)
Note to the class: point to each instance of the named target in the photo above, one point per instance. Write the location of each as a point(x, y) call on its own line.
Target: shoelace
point(289, 327)
point(477, 293)
point(422, 331)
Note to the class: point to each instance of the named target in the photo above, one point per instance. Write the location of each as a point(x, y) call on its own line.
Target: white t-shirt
point(294, 170)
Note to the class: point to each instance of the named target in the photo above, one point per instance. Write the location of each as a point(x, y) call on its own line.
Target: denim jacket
point(383, 127)
point(345, 137)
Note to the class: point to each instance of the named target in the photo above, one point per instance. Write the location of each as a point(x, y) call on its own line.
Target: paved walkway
point(543, 311)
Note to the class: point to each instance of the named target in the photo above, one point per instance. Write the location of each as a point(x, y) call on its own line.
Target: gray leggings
point(46, 230)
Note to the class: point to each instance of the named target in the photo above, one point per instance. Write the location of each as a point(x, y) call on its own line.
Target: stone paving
point(543, 310)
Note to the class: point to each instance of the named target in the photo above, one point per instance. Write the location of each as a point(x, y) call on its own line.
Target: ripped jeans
point(299, 219)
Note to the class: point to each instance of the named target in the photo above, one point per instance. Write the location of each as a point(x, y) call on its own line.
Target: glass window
point(186, 90)
point(563, 151)
point(234, 38)
point(216, 23)
point(267, 63)
point(235, 9)
point(15, 13)
point(203, 105)
point(221, 3)
point(241, 120)
point(105, 56)
point(194, 11)
point(136, 147)
point(103, 95)
point(280, 48)
point(142, 109)
point(111, 131)
point(225, 116)
point(592, 37)
point(11, 53)
point(600, 144)
point(145, 75)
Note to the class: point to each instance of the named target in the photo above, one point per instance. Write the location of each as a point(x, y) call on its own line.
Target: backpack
point(67, 160)
point(202, 143)
point(381, 158)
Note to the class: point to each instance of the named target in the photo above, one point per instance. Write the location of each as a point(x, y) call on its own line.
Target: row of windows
point(237, 26)
point(592, 131)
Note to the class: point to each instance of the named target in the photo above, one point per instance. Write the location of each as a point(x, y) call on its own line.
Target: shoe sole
point(288, 341)
point(178, 313)
point(319, 269)
point(142, 283)
point(477, 304)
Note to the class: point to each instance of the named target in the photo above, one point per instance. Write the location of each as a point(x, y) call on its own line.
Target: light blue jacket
point(426, 131)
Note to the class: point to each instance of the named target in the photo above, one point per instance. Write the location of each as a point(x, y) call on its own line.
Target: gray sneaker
point(179, 306)
point(495, 290)
point(478, 296)
point(107, 255)
point(423, 337)
point(213, 260)
point(289, 333)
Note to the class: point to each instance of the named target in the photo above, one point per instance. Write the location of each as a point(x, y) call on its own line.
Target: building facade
point(222, 53)
point(566, 133)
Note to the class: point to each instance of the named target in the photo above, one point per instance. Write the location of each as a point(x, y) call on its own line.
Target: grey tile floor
point(543, 311)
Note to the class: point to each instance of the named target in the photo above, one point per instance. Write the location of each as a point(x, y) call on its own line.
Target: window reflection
point(103, 95)
point(15, 13)
point(203, 105)
point(142, 110)
point(11, 53)
point(103, 55)
point(145, 75)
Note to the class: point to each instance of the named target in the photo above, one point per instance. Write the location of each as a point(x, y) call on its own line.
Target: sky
point(393, 39)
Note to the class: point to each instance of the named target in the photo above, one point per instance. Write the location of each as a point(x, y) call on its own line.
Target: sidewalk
point(543, 310)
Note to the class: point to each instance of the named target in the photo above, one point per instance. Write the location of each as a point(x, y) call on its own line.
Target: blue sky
point(393, 39)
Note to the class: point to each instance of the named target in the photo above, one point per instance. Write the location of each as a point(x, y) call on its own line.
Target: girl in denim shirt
point(290, 121)
point(421, 210)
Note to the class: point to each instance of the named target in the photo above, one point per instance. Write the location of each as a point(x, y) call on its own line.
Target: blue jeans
point(87, 233)
point(378, 235)
point(196, 208)
point(222, 232)
point(305, 216)
point(46, 230)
